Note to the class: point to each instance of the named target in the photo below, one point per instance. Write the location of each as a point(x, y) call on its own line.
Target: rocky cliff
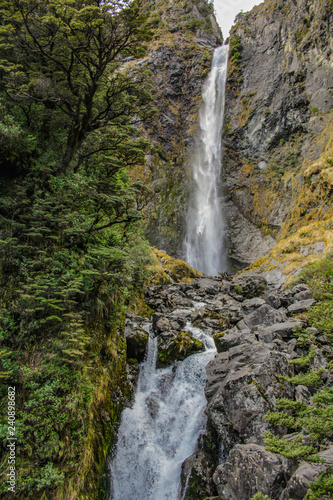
point(177, 60)
point(278, 131)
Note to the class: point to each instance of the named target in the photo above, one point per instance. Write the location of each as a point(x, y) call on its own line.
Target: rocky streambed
point(252, 324)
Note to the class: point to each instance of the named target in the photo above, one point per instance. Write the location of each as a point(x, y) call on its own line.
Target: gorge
point(137, 376)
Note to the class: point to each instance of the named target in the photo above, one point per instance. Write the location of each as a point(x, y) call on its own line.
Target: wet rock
point(173, 346)
point(302, 306)
point(197, 475)
point(251, 469)
point(161, 324)
point(136, 343)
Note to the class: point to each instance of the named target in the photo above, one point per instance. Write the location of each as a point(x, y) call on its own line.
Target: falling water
point(162, 428)
point(204, 241)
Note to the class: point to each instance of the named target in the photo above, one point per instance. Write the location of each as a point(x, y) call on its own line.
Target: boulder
point(266, 316)
point(172, 346)
point(250, 305)
point(301, 306)
point(251, 469)
point(284, 330)
point(241, 387)
point(197, 475)
point(231, 338)
point(136, 343)
point(247, 286)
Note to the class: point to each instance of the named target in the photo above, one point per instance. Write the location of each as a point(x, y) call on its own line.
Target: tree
point(60, 65)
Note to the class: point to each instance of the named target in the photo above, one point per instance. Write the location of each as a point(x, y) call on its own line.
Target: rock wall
point(178, 60)
point(278, 129)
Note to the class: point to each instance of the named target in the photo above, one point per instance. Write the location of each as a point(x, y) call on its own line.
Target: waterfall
point(162, 428)
point(204, 241)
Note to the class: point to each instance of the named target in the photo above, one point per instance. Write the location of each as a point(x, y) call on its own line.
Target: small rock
point(302, 394)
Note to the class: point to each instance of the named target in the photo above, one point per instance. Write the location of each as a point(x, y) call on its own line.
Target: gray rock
point(231, 338)
point(251, 469)
point(302, 306)
point(302, 394)
point(241, 387)
point(161, 324)
point(285, 330)
point(266, 316)
point(303, 296)
point(250, 305)
point(273, 300)
point(305, 474)
point(197, 475)
point(197, 314)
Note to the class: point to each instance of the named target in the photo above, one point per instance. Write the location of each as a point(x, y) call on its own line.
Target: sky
point(226, 11)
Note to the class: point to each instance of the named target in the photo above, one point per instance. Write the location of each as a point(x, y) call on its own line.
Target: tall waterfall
point(204, 241)
point(162, 428)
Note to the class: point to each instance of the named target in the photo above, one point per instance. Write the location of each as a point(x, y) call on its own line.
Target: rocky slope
point(253, 325)
point(278, 131)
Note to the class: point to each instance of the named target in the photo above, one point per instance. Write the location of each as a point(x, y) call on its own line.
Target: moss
point(182, 346)
point(178, 270)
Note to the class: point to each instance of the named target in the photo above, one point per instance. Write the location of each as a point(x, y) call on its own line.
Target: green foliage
point(311, 421)
point(235, 51)
point(260, 496)
point(59, 62)
point(322, 488)
point(72, 256)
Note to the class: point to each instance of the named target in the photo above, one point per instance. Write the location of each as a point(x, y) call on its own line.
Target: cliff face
point(178, 60)
point(278, 131)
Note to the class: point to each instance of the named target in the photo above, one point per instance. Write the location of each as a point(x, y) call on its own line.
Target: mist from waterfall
point(205, 248)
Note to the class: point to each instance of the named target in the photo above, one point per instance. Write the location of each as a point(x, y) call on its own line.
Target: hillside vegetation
point(72, 253)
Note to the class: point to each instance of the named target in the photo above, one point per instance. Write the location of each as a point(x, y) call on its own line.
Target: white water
point(204, 241)
point(162, 428)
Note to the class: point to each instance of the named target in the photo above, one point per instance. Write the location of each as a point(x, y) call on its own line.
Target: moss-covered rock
point(176, 346)
point(168, 269)
point(136, 342)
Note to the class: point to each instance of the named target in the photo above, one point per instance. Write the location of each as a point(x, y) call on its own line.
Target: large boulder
point(251, 469)
point(247, 286)
point(231, 338)
point(173, 346)
point(242, 385)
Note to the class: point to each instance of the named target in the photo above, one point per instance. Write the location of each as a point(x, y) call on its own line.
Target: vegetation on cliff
point(311, 421)
point(72, 253)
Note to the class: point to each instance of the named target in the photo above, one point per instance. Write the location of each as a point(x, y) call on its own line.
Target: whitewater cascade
point(162, 428)
point(205, 234)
